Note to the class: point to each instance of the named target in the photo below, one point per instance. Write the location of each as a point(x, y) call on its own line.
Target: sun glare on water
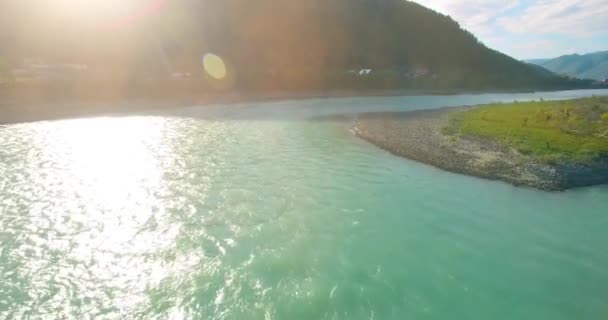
point(111, 155)
point(101, 182)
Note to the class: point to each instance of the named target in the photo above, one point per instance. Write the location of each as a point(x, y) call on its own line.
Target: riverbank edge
point(419, 136)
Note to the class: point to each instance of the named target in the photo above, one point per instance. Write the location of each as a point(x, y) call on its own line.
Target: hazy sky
point(528, 29)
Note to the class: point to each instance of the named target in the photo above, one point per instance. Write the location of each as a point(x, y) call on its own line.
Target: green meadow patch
point(575, 130)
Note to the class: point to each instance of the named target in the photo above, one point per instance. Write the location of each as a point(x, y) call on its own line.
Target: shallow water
point(255, 211)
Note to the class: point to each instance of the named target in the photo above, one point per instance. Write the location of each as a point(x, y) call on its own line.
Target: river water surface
point(255, 211)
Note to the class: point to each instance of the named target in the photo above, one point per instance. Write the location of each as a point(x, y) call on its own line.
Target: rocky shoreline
point(418, 135)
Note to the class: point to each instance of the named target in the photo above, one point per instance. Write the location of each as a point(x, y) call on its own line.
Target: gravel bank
point(418, 136)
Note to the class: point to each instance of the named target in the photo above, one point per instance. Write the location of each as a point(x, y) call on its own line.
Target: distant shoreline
point(17, 106)
point(418, 135)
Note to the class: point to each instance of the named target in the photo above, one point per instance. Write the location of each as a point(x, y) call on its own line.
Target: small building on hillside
point(418, 72)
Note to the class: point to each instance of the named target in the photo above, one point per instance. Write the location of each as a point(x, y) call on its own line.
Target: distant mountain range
point(284, 45)
point(586, 66)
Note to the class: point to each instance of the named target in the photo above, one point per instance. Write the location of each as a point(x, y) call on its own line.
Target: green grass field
point(575, 130)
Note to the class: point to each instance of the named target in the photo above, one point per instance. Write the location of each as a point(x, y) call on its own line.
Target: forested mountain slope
point(279, 44)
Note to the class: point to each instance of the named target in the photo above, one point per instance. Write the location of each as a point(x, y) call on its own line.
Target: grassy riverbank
point(553, 145)
point(572, 130)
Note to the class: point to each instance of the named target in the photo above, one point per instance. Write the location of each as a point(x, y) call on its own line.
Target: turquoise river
point(264, 211)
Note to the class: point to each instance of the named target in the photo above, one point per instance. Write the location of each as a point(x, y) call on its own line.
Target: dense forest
point(277, 44)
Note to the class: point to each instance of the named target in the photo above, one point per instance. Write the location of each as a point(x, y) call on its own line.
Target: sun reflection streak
point(113, 168)
point(111, 156)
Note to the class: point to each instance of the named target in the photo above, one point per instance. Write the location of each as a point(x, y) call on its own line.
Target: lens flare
point(215, 66)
